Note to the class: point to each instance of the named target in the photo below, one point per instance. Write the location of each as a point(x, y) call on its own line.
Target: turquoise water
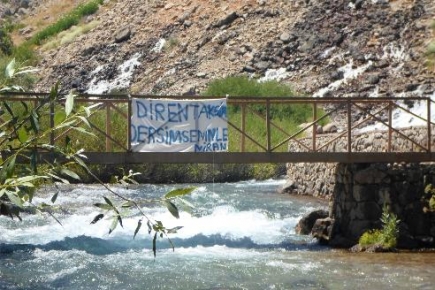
point(238, 236)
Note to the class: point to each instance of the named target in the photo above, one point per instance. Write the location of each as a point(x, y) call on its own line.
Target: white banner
point(179, 125)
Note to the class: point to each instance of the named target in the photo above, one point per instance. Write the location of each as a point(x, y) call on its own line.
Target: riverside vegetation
point(384, 239)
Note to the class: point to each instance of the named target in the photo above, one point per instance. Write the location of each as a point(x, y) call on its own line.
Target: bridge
point(111, 122)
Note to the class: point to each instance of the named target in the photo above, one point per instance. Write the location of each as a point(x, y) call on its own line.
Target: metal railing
point(112, 121)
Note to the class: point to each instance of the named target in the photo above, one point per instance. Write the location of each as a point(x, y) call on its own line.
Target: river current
point(238, 236)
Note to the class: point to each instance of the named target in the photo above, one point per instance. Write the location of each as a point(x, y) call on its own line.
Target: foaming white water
point(349, 73)
point(158, 47)
point(232, 224)
point(268, 182)
point(274, 75)
point(227, 222)
point(121, 81)
point(403, 119)
point(39, 232)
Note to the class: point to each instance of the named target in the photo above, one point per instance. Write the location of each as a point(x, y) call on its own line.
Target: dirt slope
point(320, 47)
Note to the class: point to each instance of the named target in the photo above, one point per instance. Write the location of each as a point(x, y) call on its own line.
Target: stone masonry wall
point(318, 179)
point(358, 192)
point(362, 190)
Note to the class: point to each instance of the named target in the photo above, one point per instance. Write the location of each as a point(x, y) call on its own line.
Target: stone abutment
point(358, 192)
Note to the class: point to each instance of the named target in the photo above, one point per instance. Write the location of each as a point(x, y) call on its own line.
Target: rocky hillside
point(335, 48)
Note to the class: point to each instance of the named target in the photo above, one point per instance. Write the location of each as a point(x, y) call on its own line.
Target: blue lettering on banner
point(199, 124)
point(178, 113)
point(144, 134)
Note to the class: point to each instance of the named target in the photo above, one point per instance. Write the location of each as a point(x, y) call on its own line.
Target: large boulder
point(289, 187)
point(305, 225)
point(122, 34)
point(321, 229)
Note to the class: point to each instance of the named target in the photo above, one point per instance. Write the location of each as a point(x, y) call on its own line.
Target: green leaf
point(139, 224)
point(174, 230)
point(69, 103)
point(80, 162)
point(127, 204)
point(8, 168)
point(179, 192)
point(11, 166)
point(2, 191)
point(70, 173)
point(84, 120)
point(83, 130)
point(8, 108)
point(97, 218)
point(54, 197)
point(186, 202)
point(66, 124)
point(22, 135)
point(27, 184)
point(34, 121)
point(172, 208)
point(29, 178)
point(150, 227)
point(14, 198)
point(34, 162)
point(59, 117)
point(87, 111)
point(155, 245)
point(103, 206)
point(108, 201)
point(113, 225)
point(26, 70)
point(10, 69)
point(54, 91)
point(26, 108)
point(54, 176)
point(120, 221)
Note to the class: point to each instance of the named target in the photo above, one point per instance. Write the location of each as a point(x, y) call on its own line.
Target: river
point(238, 236)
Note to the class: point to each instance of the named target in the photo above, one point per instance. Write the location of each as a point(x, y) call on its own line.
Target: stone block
point(365, 193)
point(369, 176)
point(368, 211)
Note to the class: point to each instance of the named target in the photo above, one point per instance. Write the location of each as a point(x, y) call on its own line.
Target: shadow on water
point(98, 246)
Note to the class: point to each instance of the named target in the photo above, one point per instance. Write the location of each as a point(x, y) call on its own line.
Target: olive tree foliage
point(24, 134)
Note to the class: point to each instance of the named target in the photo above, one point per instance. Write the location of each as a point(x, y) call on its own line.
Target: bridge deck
point(313, 146)
point(119, 158)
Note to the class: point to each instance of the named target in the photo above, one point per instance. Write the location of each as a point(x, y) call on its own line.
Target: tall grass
point(67, 21)
point(25, 53)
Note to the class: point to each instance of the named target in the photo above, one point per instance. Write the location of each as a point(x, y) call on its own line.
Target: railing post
point(390, 125)
point(242, 144)
point(52, 123)
point(349, 125)
point(314, 126)
point(429, 130)
point(268, 124)
point(129, 113)
point(108, 128)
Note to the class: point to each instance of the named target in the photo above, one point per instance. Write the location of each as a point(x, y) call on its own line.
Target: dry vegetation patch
point(44, 15)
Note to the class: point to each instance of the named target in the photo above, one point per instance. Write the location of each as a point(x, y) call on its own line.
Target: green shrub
point(429, 196)
point(288, 116)
point(371, 237)
point(6, 45)
point(385, 237)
